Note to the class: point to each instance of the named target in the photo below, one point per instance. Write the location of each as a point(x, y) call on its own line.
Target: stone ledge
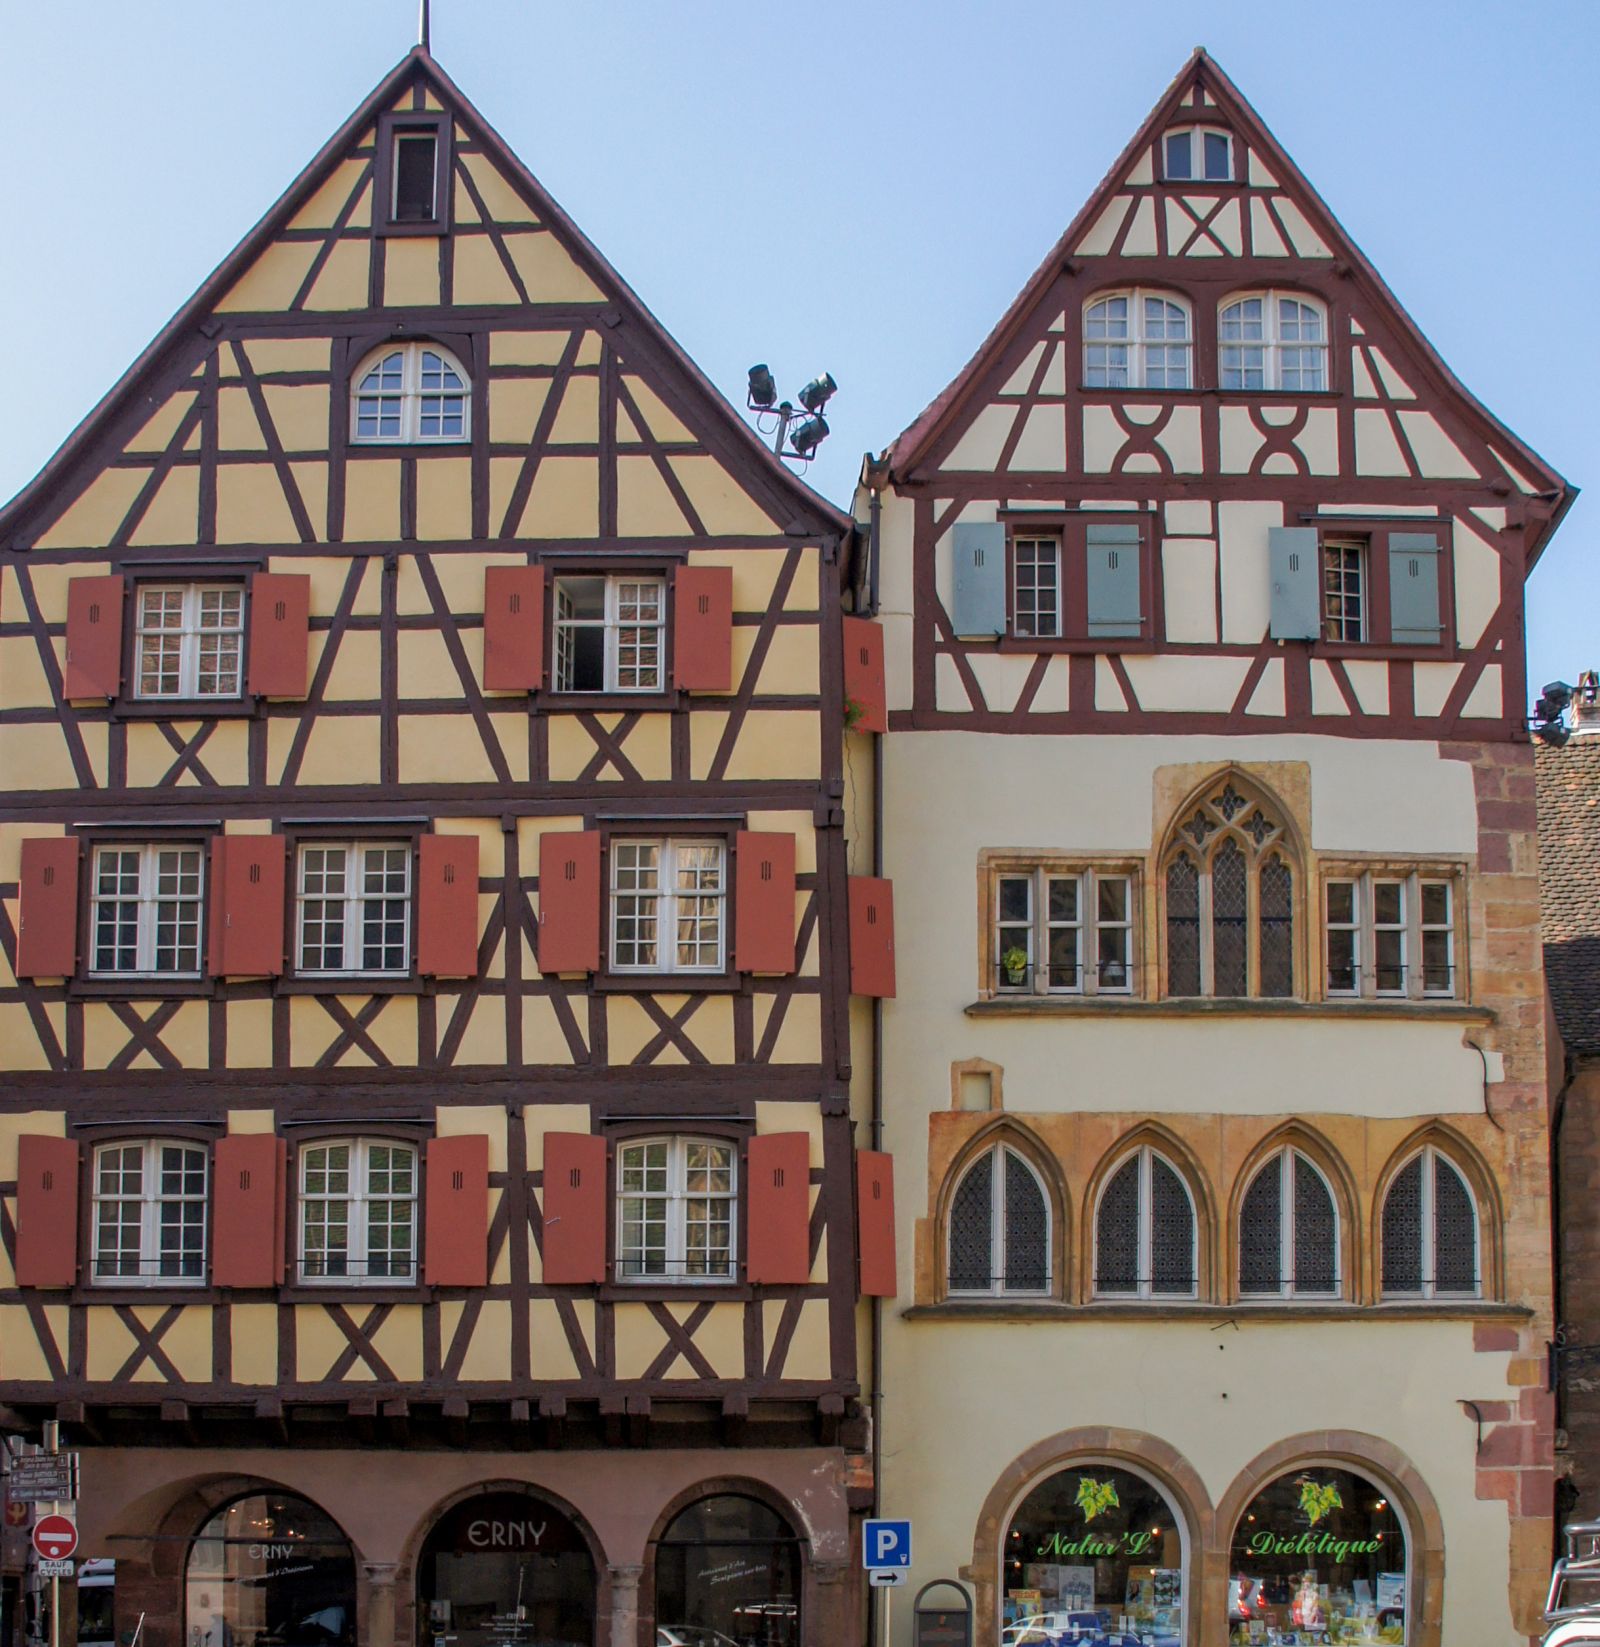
point(1102, 1006)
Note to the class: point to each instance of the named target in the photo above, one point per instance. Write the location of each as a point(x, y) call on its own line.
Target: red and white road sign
point(55, 1537)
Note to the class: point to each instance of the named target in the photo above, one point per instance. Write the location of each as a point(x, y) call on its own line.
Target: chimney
point(1586, 705)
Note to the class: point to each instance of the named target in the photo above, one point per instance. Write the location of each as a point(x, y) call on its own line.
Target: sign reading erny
point(885, 1544)
point(55, 1537)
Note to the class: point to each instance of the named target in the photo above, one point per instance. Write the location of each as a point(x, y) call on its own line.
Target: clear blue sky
point(861, 185)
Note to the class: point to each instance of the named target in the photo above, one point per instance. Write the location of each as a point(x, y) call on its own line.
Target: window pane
point(971, 1229)
point(1402, 1231)
point(414, 154)
point(1171, 1231)
point(1261, 1233)
point(1117, 1231)
point(1035, 570)
point(1229, 901)
point(1178, 165)
point(1455, 1231)
point(1218, 157)
point(1315, 1231)
point(1183, 927)
point(1027, 1229)
point(1277, 927)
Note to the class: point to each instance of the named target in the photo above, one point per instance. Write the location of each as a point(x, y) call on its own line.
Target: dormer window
point(1273, 340)
point(1198, 154)
point(1136, 340)
point(410, 392)
point(416, 193)
point(412, 186)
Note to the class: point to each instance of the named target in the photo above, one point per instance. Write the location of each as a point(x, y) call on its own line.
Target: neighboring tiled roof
point(1569, 887)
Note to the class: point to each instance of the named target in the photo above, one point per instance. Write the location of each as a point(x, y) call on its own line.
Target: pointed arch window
point(999, 1229)
point(1145, 1231)
point(409, 393)
point(1230, 898)
point(1273, 340)
point(1137, 339)
point(1289, 1231)
point(1431, 1245)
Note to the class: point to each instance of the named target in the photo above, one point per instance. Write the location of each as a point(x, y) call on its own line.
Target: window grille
point(1027, 1229)
point(1289, 1231)
point(1430, 1231)
point(1117, 1232)
point(971, 1229)
point(1315, 1230)
point(1145, 1230)
point(1260, 1233)
point(1183, 926)
point(999, 1235)
point(1171, 1231)
point(1402, 1231)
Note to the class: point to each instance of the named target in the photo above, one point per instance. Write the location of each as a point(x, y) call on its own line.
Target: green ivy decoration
point(1318, 1497)
point(1095, 1496)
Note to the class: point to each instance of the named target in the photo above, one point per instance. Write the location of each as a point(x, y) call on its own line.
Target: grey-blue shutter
point(1414, 589)
point(980, 582)
point(1113, 582)
point(1293, 561)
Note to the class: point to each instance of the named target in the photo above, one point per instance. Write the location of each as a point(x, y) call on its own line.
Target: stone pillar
point(625, 1605)
point(379, 1577)
point(827, 1619)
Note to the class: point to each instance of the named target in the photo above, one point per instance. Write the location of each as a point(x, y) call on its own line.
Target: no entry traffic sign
point(55, 1537)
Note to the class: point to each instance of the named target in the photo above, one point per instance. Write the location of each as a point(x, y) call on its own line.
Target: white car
point(691, 1635)
point(1045, 1629)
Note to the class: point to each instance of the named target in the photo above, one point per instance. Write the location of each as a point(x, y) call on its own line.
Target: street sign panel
point(56, 1569)
point(885, 1544)
point(42, 1478)
point(887, 1578)
point(55, 1537)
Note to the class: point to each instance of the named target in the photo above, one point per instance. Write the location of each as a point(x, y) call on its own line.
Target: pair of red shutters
point(249, 1182)
point(245, 930)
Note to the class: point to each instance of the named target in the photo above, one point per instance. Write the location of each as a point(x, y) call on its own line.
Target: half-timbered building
point(429, 1177)
point(1216, 1074)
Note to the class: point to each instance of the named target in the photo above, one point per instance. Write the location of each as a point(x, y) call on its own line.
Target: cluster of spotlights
point(1548, 719)
point(803, 434)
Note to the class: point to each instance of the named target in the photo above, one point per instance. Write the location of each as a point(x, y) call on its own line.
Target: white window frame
point(998, 1212)
point(1337, 619)
point(150, 1202)
point(1144, 1286)
point(191, 632)
point(1271, 343)
point(1413, 930)
point(1197, 148)
point(666, 897)
point(1431, 1155)
point(357, 1252)
point(354, 901)
point(1284, 1162)
point(149, 906)
point(676, 1200)
point(1088, 927)
point(1138, 342)
point(1044, 550)
point(614, 625)
point(410, 396)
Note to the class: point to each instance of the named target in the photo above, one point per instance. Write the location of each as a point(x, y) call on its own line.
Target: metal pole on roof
point(422, 25)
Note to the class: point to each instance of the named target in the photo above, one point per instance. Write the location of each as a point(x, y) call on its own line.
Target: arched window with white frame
point(1289, 1230)
point(1137, 339)
point(406, 393)
point(999, 1227)
point(1145, 1231)
point(1431, 1242)
point(1273, 340)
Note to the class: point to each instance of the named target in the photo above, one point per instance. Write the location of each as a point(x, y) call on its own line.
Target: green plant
point(1015, 962)
point(853, 711)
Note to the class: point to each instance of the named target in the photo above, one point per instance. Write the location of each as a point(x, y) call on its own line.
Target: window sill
point(1103, 1006)
point(677, 1292)
point(140, 989)
point(243, 708)
point(123, 1292)
point(668, 983)
point(1076, 643)
point(1464, 1309)
point(353, 983)
point(344, 1290)
point(580, 702)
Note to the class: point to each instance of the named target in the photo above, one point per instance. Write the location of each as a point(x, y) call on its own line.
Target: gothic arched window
point(1144, 1231)
point(999, 1227)
point(1230, 895)
point(1430, 1231)
point(1289, 1231)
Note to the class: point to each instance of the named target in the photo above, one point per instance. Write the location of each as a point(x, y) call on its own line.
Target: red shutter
point(875, 1222)
point(863, 673)
point(513, 628)
point(871, 936)
point(247, 892)
point(47, 928)
point(702, 628)
point(447, 906)
point(280, 625)
point(763, 928)
point(247, 1209)
point(569, 902)
point(778, 1247)
point(47, 1211)
point(574, 1208)
point(457, 1253)
point(94, 638)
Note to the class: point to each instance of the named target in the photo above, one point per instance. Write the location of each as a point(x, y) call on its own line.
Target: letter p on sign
point(886, 1544)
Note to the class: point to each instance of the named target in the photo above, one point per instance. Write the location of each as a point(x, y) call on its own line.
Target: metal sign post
point(886, 1554)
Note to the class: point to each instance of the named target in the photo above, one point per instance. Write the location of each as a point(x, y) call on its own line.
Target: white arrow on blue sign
point(885, 1544)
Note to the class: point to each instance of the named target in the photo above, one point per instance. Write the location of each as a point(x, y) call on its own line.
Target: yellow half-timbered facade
point(426, 1142)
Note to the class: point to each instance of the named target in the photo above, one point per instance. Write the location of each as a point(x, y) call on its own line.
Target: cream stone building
point(1216, 1074)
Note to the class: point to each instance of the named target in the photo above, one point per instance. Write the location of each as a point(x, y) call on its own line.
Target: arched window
point(410, 392)
point(1137, 340)
point(1144, 1231)
point(728, 1569)
point(1273, 340)
point(1000, 1227)
point(1230, 879)
point(1289, 1231)
point(1430, 1231)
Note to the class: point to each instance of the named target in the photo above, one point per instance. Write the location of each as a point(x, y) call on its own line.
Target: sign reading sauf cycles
point(1094, 1499)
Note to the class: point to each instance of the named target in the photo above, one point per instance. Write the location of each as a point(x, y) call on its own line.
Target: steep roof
point(84, 444)
point(1202, 71)
point(1569, 887)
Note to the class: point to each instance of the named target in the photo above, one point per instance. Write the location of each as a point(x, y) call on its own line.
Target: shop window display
point(270, 1570)
point(1094, 1554)
point(1319, 1556)
point(728, 1575)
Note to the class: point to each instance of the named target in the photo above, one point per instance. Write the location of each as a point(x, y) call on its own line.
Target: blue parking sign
point(885, 1544)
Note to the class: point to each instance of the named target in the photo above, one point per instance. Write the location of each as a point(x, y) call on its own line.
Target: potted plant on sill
point(1014, 966)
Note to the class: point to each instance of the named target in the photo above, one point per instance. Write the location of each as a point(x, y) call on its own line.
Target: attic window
point(1198, 154)
point(415, 167)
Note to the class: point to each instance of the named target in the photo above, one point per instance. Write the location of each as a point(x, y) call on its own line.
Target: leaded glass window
point(1289, 1231)
point(1430, 1231)
point(1145, 1231)
point(1230, 897)
point(999, 1233)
